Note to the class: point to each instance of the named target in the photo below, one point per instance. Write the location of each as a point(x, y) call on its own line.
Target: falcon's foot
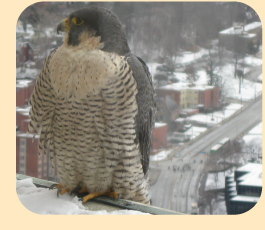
point(95, 194)
point(89, 196)
point(60, 188)
point(82, 190)
point(112, 194)
point(62, 191)
point(57, 186)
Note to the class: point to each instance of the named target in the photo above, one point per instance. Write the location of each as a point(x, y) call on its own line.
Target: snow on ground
point(257, 129)
point(160, 155)
point(252, 147)
point(182, 77)
point(26, 73)
point(215, 181)
point(195, 131)
point(188, 57)
point(254, 136)
point(252, 61)
point(218, 116)
point(45, 201)
point(219, 208)
point(249, 90)
point(202, 78)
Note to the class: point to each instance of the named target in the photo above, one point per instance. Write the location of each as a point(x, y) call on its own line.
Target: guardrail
point(107, 201)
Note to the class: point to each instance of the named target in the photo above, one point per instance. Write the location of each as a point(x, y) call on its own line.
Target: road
point(176, 190)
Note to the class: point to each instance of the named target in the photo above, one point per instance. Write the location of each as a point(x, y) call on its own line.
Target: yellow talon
point(59, 186)
point(95, 194)
point(111, 194)
point(90, 196)
point(64, 190)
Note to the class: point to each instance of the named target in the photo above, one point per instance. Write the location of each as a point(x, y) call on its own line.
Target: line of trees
point(154, 28)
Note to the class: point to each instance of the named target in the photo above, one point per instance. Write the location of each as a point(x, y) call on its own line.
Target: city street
point(176, 190)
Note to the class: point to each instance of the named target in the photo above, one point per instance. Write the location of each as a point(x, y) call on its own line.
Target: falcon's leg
point(112, 194)
point(62, 191)
point(60, 188)
point(95, 194)
point(89, 196)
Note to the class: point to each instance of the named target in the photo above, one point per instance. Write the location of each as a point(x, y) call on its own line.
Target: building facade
point(242, 38)
point(191, 95)
point(243, 188)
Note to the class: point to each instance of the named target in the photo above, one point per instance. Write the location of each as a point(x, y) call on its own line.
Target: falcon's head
point(95, 21)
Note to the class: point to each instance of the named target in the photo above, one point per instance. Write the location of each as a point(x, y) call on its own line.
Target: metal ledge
point(107, 203)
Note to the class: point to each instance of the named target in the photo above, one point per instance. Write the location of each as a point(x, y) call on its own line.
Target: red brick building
point(28, 160)
point(160, 135)
point(24, 89)
point(190, 96)
point(27, 157)
point(22, 118)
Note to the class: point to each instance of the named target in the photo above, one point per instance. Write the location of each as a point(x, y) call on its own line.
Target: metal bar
point(121, 203)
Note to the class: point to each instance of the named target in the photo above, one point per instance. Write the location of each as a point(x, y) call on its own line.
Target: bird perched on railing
point(93, 105)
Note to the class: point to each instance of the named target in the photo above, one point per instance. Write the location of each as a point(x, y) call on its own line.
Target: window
point(22, 153)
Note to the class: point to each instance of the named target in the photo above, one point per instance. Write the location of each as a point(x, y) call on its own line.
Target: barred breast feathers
point(81, 72)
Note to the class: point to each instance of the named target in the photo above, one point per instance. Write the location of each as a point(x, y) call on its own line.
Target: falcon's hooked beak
point(63, 26)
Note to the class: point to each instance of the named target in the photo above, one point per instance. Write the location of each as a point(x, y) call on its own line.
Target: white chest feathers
point(78, 71)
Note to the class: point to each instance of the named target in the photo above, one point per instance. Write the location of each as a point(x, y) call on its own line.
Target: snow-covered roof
point(252, 26)
point(23, 83)
point(183, 86)
point(239, 29)
point(254, 177)
point(180, 119)
point(157, 125)
point(245, 198)
point(28, 135)
point(23, 110)
point(249, 167)
point(22, 73)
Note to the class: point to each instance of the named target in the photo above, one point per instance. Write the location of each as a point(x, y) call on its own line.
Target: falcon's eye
point(77, 21)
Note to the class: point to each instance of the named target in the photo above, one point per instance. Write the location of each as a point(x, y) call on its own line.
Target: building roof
point(28, 135)
point(157, 125)
point(239, 198)
point(23, 110)
point(23, 83)
point(253, 25)
point(249, 167)
point(254, 177)
point(239, 29)
point(253, 180)
point(184, 86)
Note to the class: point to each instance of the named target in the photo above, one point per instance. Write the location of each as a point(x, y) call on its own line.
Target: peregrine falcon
point(93, 105)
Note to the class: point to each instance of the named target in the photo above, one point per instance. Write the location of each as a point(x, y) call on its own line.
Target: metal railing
point(107, 201)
